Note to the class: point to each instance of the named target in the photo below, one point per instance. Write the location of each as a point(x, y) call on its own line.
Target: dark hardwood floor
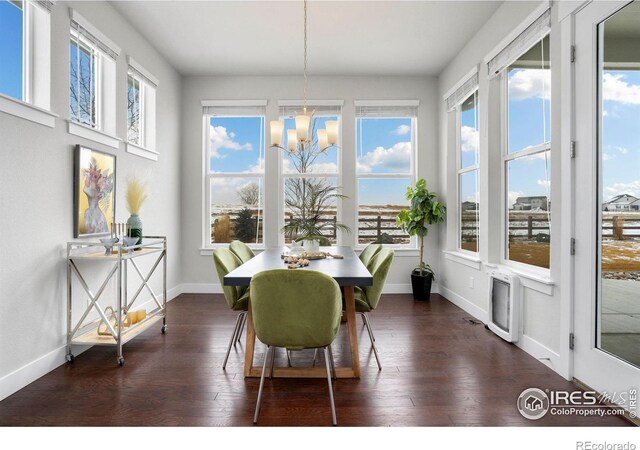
point(438, 370)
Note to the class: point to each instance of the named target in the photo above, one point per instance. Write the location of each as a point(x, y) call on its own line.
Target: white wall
point(36, 198)
point(199, 275)
point(543, 311)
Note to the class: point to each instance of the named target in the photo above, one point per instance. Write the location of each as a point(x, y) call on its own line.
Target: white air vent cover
point(504, 305)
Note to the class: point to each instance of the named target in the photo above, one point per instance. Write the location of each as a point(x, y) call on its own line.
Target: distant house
point(540, 202)
point(469, 206)
point(623, 202)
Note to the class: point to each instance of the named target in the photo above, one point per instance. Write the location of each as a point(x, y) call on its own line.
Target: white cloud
point(513, 196)
point(616, 89)
point(403, 129)
point(396, 158)
point(544, 183)
point(607, 156)
point(287, 167)
point(220, 138)
point(632, 188)
point(469, 139)
point(530, 83)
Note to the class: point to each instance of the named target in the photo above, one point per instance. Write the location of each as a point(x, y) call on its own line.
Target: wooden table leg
point(350, 303)
point(250, 345)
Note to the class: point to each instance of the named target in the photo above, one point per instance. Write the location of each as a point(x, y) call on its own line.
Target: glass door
point(607, 193)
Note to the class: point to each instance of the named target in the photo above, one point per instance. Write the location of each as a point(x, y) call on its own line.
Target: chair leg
point(334, 422)
point(244, 321)
point(373, 343)
point(333, 364)
point(367, 322)
point(264, 368)
point(315, 355)
point(233, 339)
point(273, 358)
point(289, 358)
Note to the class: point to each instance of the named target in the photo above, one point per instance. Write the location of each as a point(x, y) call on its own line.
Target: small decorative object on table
point(136, 195)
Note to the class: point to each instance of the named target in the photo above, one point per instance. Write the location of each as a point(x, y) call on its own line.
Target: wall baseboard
point(30, 372)
point(534, 348)
point(465, 304)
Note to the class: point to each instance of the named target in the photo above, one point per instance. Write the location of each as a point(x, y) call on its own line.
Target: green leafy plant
point(425, 210)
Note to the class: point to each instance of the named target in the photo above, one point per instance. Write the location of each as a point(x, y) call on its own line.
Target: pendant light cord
point(305, 58)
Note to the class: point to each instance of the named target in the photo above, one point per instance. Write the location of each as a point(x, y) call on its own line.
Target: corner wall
point(36, 198)
point(465, 282)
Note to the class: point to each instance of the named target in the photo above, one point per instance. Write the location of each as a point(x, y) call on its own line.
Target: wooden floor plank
point(438, 370)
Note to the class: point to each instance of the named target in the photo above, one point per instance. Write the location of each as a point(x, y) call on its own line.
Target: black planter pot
point(421, 285)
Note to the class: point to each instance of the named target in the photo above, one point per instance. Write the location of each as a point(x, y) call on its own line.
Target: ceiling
point(344, 37)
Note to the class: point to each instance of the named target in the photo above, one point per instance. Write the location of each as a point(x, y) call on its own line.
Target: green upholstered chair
point(369, 252)
point(241, 250)
point(237, 296)
point(296, 310)
point(368, 297)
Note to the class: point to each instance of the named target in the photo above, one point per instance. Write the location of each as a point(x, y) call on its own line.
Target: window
point(92, 82)
point(468, 153)
point(526, 157)
point(12, 26)
point(385, 152)
point(234, 182)
point(141, 111)
point(311, 180)
point(25, 56)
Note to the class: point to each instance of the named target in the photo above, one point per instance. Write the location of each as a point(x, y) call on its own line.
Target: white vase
point(311, 245)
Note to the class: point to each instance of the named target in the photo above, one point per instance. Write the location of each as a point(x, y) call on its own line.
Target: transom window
point(12, 26)
point(141, 110)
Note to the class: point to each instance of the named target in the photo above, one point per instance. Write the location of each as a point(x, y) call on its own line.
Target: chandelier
point(300, 139)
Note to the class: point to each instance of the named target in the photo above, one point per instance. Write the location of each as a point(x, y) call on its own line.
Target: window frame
point(35, 103)
point(327, 175)
point(411, 176)
point(96, 56)
point(460, 171)
point(505, 159)
point(208, 175)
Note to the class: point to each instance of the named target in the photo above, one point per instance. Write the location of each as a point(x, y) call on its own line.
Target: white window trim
point(411, 176)
point(36, 69)
point(337, 175)
point(84, 131)
point(539, 274)
point(27, 111)
point(461, 171)
point(208, 246)
point(147, 139)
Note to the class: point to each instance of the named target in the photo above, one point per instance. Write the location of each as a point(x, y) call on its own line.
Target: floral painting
point(94, 191)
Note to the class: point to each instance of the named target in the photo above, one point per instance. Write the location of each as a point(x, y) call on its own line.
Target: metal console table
point(84, 331)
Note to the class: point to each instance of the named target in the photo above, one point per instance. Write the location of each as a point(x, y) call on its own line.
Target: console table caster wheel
point(70, 358)
point(121, 361)
point(164, 329)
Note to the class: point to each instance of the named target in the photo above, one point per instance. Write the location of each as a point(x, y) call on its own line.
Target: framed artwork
point(94, 188)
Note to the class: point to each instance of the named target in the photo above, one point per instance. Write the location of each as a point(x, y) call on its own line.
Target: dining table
point(348, 271)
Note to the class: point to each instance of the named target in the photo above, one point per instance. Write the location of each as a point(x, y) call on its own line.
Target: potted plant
point(425, 210)
point(310, 201)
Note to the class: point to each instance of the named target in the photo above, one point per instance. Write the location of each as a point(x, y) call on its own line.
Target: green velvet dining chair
point(368, 297)
point(237, 297)
point(241, 250)
point(295, 310)
point(369, 252)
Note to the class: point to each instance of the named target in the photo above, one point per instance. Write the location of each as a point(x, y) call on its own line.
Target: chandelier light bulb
point(302, 127)
point(332, 131)
point(292, 140)
point(277, 128)
point(323, 143)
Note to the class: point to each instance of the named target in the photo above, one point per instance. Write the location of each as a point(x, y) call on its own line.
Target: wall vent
point(504, 305)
